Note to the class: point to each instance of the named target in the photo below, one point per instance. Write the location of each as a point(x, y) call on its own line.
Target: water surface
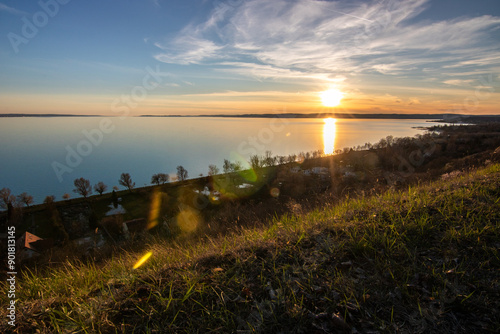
point(43, 156)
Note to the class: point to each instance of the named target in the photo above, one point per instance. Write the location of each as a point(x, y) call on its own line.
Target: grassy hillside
point(425, 259)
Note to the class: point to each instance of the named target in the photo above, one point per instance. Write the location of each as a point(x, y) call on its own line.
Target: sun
point(331, 97)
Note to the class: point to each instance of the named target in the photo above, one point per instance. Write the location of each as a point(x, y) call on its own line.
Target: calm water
point(43, 156)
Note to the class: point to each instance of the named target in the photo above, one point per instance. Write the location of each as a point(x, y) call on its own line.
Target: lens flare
point(246, 171)
point(188, 219)
point(154, 211)
point(143, 260)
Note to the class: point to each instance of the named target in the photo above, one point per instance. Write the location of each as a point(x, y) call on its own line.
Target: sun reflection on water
point(329, 132)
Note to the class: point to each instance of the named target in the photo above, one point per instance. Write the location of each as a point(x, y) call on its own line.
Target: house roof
point(27, 238)
point(119, 210)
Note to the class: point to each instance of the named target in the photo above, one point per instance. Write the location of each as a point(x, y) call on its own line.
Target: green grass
point(421, 260)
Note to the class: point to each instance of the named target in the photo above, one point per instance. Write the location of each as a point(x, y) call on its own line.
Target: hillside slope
point(421, 260)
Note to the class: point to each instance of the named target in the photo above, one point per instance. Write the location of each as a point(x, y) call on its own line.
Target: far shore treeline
point(446, 118)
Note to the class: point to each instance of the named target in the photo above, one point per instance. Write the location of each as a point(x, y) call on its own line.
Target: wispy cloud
point(5, 8)
point(458, 82)
point(328, 40)
point(188, 50)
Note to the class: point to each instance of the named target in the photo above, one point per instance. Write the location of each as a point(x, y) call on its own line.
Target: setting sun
point(331, 97)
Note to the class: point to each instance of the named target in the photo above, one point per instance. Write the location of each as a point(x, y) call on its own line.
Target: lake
point(43, 156)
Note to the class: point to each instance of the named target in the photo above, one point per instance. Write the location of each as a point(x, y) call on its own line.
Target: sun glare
point(329, 134)
point(331, 97)
point(143, 260)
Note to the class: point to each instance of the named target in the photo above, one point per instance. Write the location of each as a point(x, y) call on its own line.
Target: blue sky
point(238, 56)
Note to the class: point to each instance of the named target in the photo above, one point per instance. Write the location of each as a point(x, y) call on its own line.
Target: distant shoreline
point(47, 115)
point(435, 117)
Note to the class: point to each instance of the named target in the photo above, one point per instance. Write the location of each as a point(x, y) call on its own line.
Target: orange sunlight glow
point(329, 133)
point(143, 260)
point(331, 97)
point(154, 212)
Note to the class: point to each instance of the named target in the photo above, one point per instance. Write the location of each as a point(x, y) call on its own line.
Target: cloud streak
point(329, 41)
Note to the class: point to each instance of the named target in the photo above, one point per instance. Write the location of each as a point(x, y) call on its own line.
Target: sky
point(191, 57)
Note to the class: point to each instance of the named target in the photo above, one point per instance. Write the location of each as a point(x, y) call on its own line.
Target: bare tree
point(269, 160)
point(126, 181)
point(100, 187)
point(114, 199)
point(160, 178)
point(163, 178)
point(49, 199)
point(26, 199)
point(227, 167)
point(7, 198)
point(82, 187)
point(66, 196)
point(316, 154)
point(255, 161)
point(389, 140)
point(182, 173)
point(155, 179)
point(213, 170)
point(236, 166)
point(55, 218)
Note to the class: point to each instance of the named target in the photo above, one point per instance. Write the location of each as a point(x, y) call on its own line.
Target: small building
point(119, 210)
point(30, 245)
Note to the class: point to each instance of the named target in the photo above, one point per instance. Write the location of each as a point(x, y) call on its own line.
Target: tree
point(236, 166)
point(7, 198)
point(255, 161)
point(316, 154)
point(269, 160)
point(227, 167)
point(66, 196)
point(213, 170)
point(164, 178)
point(100, 187)
point(114, 199)
point(155, 179)
point(126, 181)
point(389, 140)
point(49, 199)
point(55, 218)
point(82, 187)
point(9, 202)
point(182, 173)
point(26, 199)
point(160, 178)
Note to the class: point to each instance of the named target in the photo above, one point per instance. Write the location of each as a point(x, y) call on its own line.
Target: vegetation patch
point(420, 260)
